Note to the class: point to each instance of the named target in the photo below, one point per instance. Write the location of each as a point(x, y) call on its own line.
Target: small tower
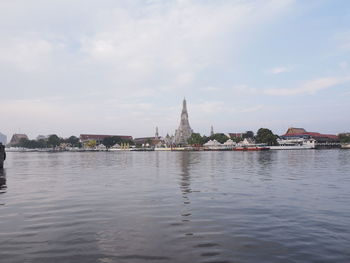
point(157, 134)
point(211, 131)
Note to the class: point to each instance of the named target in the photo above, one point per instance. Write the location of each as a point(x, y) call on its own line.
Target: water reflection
point(265, 160)
point(185, 182)
point(146, 207)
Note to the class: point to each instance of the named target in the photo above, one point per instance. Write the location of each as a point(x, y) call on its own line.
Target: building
point(169, 140)
point(184, 132)
point(16, 138)
point(236, 135)
point(302, 133)
point(322, 140)
point(151, 141)
point(3, 138)
point(99, 137)
point(211, 130)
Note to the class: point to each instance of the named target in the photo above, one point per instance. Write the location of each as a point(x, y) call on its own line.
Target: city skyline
point(124, 68)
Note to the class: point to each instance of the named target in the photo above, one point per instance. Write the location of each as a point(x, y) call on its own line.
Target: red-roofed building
point(302, 133)
point(16, 139)
point(236, 135)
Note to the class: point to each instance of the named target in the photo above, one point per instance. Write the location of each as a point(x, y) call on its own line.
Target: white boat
point(345, 145)
point(294, 144)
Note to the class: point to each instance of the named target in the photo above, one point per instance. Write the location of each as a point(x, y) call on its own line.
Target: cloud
point(136, 53)
point(278, 70)
point(243, 89)
point(211, 89)
point(26, 53)
point(343, 65)
point(220, 107)
point(343, 40)
point(310, 87)
point(169, 44)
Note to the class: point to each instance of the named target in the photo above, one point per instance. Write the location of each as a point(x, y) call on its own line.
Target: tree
point(31, 144)
point(110, 141)
point(53, 141)
point(344, 137)
point(266, 136)
point(91, 143)
point(205, 139)
point(195, 139)
point(73, 141)
point(220, 137)
point(248, 134)
point(237, 139)
point(42, 143)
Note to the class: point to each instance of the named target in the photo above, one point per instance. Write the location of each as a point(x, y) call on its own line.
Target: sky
point(123, 67)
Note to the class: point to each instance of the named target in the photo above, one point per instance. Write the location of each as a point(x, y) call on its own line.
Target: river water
point(274, 206)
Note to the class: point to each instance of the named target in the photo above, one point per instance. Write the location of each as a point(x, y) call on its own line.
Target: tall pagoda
point(184, 132)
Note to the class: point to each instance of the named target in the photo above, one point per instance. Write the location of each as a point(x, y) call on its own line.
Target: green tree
point(42, 143)
point(110, 141)
point(205, 139)
point(220, 137)
point(237, 139)
point(344, 137)
point(195, 139)
point(73, 141)
point(30, 144)
point(53, 141)
point(248, 134)
point(266, 136)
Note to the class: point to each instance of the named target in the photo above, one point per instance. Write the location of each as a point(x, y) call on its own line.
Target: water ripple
point(175, 207)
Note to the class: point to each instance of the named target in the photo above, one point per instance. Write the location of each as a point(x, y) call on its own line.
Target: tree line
point(344, 137)
point(263, 136)
point(51, 141)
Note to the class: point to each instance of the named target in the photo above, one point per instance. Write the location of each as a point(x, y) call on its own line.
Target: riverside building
point(322, 140)
point(16, 138)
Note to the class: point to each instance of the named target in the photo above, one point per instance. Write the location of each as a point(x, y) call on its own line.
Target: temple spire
point(184, 132)
point(184, 106)
point(157, 134)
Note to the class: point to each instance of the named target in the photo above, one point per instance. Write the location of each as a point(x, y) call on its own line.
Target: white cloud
point(243, 90)
point(310, 87)
point(343, 40)
point(136, 52)
point(211, 89)
point(220, 107)
point(278, 70)
point(343, 65)
point(27, 54)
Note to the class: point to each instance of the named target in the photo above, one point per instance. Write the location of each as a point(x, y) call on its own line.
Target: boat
point(249, 145)
point(294, 144)
point(345, 145)
point(252, 147)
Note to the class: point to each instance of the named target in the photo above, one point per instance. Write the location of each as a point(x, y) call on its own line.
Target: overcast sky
point(123, 67)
